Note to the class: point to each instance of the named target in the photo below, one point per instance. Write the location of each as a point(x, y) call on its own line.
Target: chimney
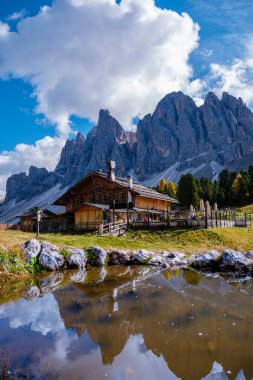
point(111, 168)
point(130, 181)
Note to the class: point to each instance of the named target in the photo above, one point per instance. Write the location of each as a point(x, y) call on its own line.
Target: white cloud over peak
point(44, 153)
point(4, 29)
point(83, 55)
point(235, 78)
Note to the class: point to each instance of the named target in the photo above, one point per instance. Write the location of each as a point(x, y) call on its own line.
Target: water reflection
point(131, 323)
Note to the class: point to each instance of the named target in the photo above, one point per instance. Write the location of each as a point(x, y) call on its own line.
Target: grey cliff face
point(177, 135)
point(111, 142)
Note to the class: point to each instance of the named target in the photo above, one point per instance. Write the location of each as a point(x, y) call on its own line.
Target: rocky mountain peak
point(80, 138)
point(178, 137)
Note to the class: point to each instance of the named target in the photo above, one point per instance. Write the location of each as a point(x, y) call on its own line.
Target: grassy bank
point(189, 241)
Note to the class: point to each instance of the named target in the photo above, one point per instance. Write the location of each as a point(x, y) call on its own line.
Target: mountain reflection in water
point(125, 323)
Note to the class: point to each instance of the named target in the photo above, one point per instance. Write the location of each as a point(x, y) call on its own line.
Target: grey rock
point(206, 260)
point(173, 255)
point(96, 256)
point(234, 260)
point(249, 255)
point(50, 257)
point(31, 248)
point(118, 257)
point(144, 257)
point(77, 258)
point(141, 257)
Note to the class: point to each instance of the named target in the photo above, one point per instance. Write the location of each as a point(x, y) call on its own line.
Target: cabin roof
point(33, 214)
point(48, 211)
point(94, 205)
point(137, 188)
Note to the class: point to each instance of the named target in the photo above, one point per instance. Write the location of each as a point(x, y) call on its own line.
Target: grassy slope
point(248, 208)
point(189, 241)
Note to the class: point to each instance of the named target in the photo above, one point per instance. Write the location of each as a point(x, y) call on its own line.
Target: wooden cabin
point(101, 198)
point(49, 218)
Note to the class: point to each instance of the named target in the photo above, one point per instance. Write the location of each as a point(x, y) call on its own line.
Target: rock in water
point(32, 293)
point(234, 260)
point(77, 258)
point(207, 260)
point(79, 276)
point(51, 282)
point(50, 257)
point(31, 249)
point(118, 258)
point(96, 256)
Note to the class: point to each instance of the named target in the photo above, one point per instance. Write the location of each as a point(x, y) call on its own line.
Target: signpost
point(39, 218)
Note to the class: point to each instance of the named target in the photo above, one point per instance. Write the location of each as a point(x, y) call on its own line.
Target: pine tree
point(187, 191)
point(224, 187)
point(250, 176)
point(206, 189)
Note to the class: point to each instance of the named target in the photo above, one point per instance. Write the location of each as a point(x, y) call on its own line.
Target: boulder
point(173, 255)
point(118, 257)
point(141, 257)
point(31, 248)
point(96, 256)
point(77, 258)
point(144, 257)
point(249, 255)
point(50, 257)
point(234, 260)
point(207, 260)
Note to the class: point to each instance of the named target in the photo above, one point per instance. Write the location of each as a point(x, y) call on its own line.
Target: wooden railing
point(112, 229)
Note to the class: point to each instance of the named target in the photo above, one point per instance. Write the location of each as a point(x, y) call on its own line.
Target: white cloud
point(17, 15)
point(83, 55)
point(4, 29)
point(44, 153)
point(235, 78)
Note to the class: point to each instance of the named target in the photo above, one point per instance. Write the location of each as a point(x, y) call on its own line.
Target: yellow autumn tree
point(162, 185)
point(172, 189)
point(236, 184)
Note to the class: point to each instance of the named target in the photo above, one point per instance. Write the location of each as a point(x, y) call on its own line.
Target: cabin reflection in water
point(190, 333)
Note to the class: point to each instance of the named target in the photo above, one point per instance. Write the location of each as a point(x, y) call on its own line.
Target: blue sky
point(221, 61)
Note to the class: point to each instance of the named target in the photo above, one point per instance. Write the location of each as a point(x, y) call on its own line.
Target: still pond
point(127, 323)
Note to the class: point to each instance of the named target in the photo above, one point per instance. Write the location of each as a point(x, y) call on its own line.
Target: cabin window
point(121, 197)
point(103, 198)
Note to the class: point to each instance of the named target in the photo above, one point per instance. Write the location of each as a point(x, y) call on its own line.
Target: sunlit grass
point(189, 241)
